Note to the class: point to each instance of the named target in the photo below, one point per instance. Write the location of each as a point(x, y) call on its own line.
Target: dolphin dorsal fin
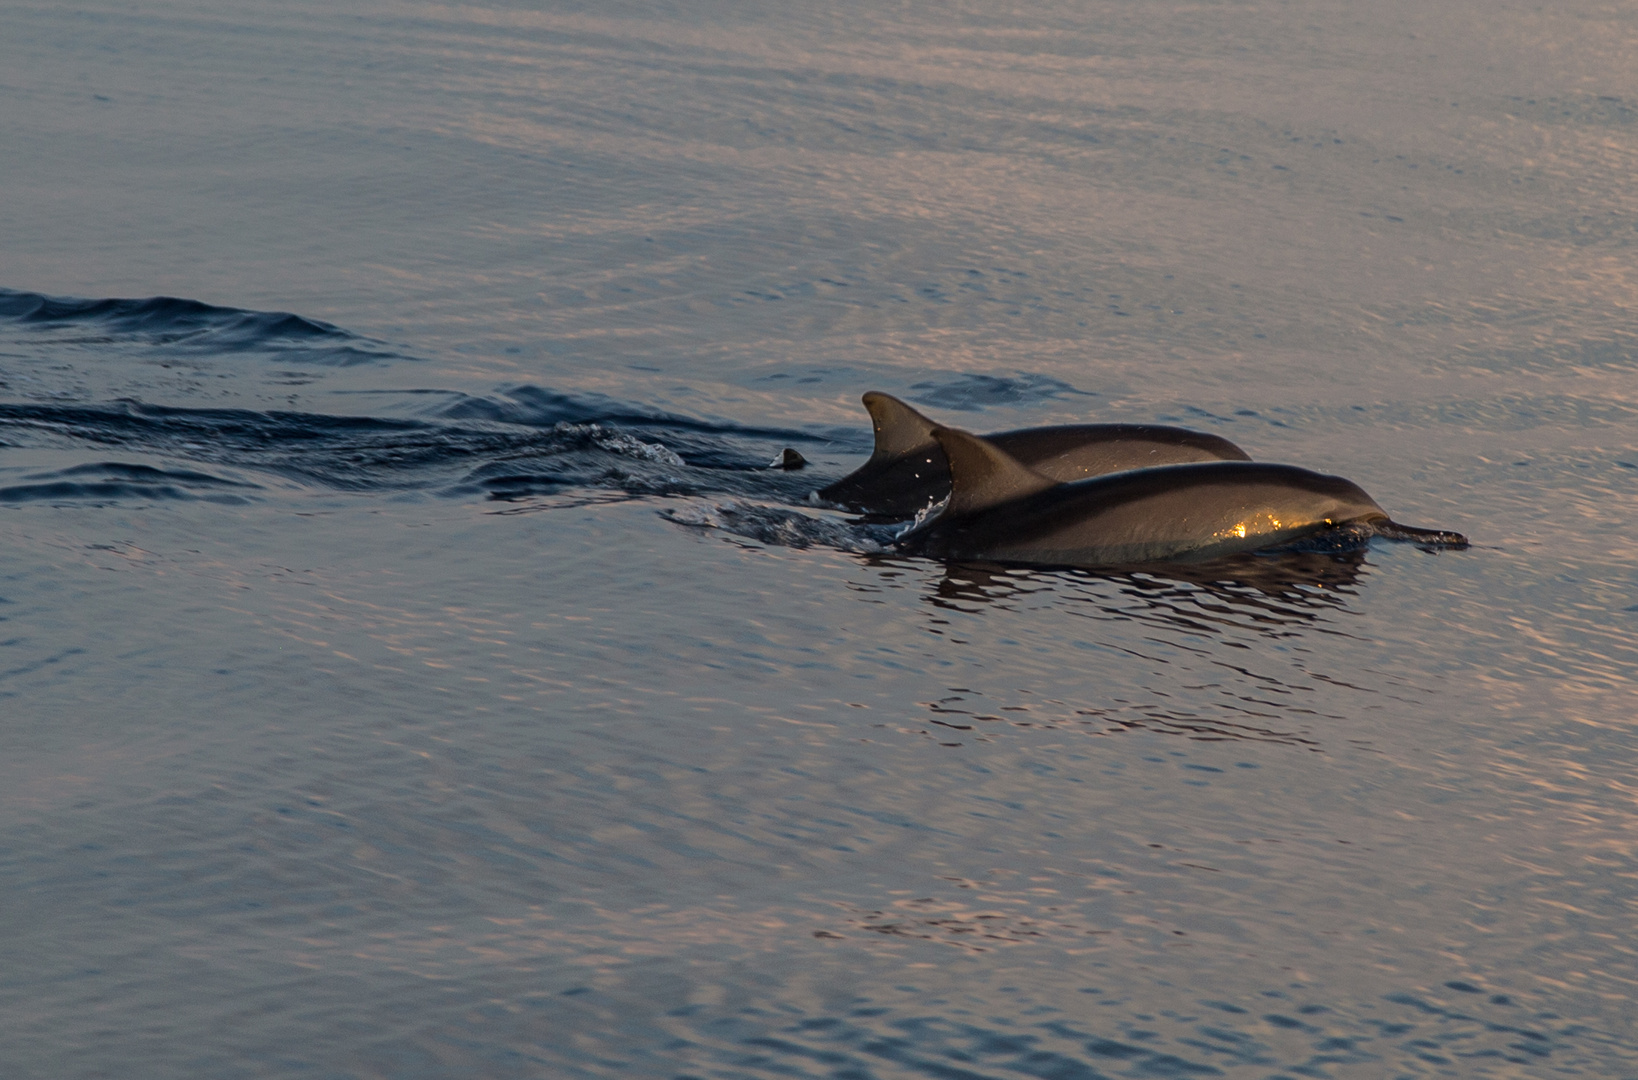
point(983, 475)
point(899, 428)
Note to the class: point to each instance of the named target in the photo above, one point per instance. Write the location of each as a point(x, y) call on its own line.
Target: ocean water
point(410, 667)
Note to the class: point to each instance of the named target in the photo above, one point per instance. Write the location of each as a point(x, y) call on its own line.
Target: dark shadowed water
point(409, 667)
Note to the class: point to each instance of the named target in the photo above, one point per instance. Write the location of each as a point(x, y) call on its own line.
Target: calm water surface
point(409, 669)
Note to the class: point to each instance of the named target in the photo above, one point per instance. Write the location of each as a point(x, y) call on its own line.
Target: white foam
point(778, 525)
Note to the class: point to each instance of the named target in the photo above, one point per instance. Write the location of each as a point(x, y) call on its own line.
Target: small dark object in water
point(790, 461)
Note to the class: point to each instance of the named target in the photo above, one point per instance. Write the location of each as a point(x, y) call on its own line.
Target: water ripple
point(186, 326)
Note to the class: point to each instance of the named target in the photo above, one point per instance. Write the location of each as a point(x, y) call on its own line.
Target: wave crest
point(190, 326)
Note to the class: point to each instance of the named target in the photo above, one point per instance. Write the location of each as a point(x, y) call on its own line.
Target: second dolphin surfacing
point(1002, 510)
point(908, 471)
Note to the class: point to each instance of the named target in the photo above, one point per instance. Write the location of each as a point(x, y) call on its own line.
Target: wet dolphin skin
point(1002, 510)
point(908, 470)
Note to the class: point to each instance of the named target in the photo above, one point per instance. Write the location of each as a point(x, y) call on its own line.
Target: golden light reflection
point(1250, 527)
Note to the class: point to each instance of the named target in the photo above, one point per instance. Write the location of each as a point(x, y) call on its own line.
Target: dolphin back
point(908, 470)
point(1079, 451)
point(983, 475)
point(1179, 512)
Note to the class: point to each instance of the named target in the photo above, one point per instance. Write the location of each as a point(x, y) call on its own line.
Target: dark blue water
point(411, 666)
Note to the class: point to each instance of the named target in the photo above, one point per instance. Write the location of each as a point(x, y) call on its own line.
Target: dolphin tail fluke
point(983, 475)
point(1440, 538)
point(899, 428)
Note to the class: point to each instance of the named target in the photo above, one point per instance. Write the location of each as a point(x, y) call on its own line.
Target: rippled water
point(411, 666)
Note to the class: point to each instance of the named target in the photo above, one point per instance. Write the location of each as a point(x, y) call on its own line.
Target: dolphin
point(908, 471)
point(1002, 510)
